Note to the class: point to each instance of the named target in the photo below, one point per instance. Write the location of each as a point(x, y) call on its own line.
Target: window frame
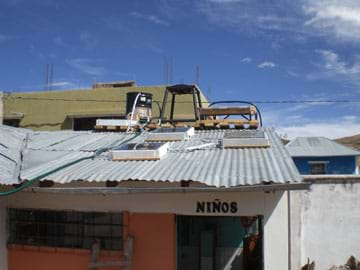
point(314, 163)
point(65, 228)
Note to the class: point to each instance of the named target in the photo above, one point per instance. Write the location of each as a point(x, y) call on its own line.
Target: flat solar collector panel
point(245, 134)
point(171, 134)
point(245, 139)
point(140, 151)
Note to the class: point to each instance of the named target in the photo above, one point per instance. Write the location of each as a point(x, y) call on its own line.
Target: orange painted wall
point(154, 241)
point(154, 248)
point(44, 258)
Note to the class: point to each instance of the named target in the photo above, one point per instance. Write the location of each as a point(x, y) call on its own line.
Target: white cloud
point(266, 64)
point(329, 130)
point(225, 1)
point(293, 74)
point(297, 120)
point(59, 41)
point(88, 66)
point(338, 18)
point(88, 40)
point(334, 64)
point(253, 16)
point(156, 20)
point(331, 66)
point(151, 18)
point(246, 60)
point(64, 84)
point(58, 84)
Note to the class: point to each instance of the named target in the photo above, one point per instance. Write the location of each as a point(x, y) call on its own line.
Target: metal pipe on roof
point(126, 190)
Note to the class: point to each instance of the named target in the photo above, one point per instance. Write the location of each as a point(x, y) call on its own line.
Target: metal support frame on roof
point(240, 101)
point(181, 89)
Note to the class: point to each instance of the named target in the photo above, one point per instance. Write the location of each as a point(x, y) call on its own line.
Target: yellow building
point(79, 109)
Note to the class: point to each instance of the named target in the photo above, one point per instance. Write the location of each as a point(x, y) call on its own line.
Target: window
point(67, 229)
point(11, 122)
point(318, 167)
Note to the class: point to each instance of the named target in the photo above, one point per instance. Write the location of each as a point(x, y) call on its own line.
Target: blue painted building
point(319, 155)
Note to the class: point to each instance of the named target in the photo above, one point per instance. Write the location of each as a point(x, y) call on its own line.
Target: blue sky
point(246, 50)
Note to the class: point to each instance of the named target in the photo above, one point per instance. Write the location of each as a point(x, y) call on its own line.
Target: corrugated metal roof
point(210, 165)
point(318, 147)
point(74, 140)
point(12, 141)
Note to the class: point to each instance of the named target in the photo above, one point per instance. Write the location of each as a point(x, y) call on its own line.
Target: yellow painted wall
point(49, 110)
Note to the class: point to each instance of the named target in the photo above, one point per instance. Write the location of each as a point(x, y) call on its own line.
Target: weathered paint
point(272, 206)
point(330, 222)
point(49, 110)
point(44, 258)
point(335, 165)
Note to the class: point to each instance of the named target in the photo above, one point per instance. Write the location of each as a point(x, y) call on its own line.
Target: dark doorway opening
point(89, 123)
point(11, 122)
point(218, 243)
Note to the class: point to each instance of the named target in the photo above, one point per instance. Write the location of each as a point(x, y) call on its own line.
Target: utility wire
point(324, 101)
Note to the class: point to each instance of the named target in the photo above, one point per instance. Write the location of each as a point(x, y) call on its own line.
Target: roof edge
point(126, 190)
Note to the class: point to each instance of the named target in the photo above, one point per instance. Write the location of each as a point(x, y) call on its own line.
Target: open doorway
point(219, 243)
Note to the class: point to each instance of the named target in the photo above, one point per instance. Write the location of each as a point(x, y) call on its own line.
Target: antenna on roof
point(209, 92)
point(165, 70)
point(48, 76)
point(171, 71)
point(51, 74)
point(168, 70)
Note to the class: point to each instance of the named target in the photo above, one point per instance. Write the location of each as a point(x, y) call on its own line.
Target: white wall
point(3, 249)
point(276, 231)
point(273, 206)
point(331, 223)
point(295, 199)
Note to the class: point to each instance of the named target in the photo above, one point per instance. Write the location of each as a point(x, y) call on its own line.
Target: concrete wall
point(335, 165)
point(273, 206)
point(330, 222)
point(3, 250)
point(49, 110)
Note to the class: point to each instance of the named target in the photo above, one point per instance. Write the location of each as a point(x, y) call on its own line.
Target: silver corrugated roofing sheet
point(12, 141)
point(209, 165)
point(318, 147)
point(74, 141)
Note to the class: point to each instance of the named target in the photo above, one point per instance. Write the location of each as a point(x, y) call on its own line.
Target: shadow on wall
point(351, 264)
